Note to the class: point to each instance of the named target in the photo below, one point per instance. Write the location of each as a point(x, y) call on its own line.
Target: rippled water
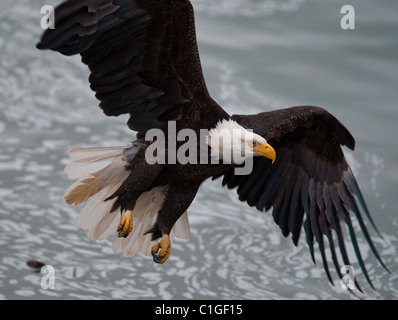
point(257, 55)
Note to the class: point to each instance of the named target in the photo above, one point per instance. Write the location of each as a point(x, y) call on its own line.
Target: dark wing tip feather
point(309, 238)
point(351, 203)
point(352, 185)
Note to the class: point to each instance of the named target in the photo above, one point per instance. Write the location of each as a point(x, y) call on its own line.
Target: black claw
point(156, 256)
point(123, 234)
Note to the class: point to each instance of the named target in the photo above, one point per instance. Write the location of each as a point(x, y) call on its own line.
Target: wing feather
point(310, 178)
point(142, 55)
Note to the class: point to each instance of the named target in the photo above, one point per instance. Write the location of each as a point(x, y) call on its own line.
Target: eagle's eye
point(253, 143)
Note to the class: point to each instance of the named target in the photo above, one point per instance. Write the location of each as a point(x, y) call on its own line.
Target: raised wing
point(310, 179)
point(142, 55)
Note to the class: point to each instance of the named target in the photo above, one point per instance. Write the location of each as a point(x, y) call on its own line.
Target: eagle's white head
point(233, 144)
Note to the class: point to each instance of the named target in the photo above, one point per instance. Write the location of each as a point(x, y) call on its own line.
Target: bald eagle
point(144, 62)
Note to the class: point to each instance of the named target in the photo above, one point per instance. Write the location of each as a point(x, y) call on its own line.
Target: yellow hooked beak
point(265, 150)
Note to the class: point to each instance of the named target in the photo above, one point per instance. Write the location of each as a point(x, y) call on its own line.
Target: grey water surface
point(257, 55)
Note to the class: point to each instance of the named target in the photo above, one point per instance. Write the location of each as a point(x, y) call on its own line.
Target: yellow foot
point(161, 250)
point(126, 224)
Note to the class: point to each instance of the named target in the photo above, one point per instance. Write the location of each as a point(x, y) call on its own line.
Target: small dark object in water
point(34, 264)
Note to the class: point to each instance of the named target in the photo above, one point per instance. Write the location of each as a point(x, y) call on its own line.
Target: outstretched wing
point(310, 179)
point(142, 55)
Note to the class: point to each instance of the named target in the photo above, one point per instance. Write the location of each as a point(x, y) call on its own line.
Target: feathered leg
point(178, 199)
point(140, 180)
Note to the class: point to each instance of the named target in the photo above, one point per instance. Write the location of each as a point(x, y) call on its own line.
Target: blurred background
point(257, 55)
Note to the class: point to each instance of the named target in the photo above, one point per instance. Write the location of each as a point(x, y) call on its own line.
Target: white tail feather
point(90, 154)
point(101, 172)
point(88, 160)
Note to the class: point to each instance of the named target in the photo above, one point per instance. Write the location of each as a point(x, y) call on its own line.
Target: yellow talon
point(126, 224)
point(164, 248)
